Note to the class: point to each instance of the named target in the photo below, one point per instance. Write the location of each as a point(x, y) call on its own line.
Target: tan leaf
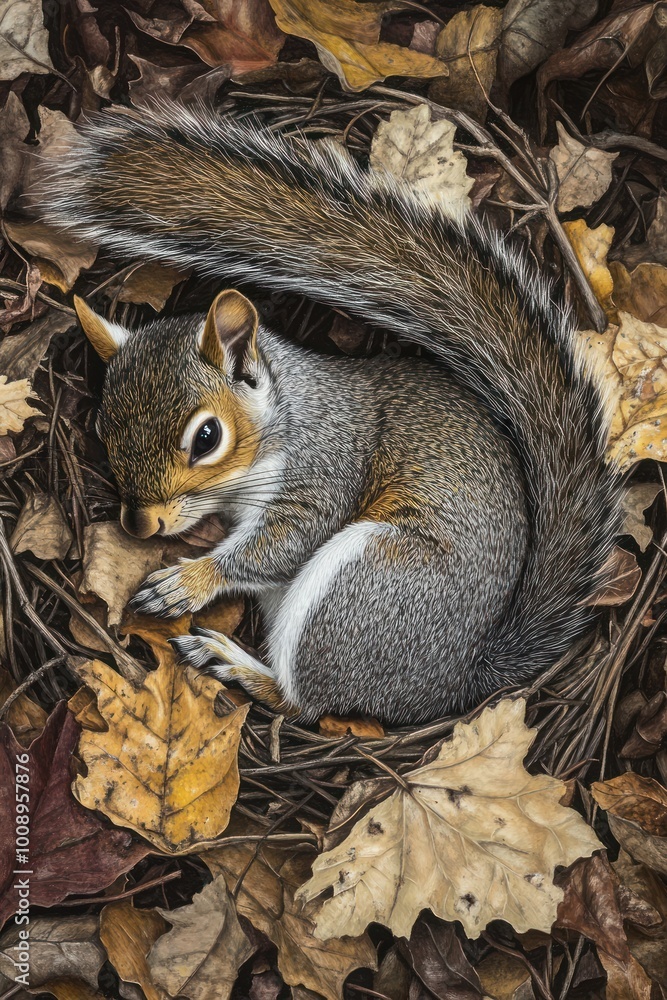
point(14, 408)
point(637, 813)
point(21, 353)
point(474, 837)
point(533, 29)
point(14, 128)
point(24, 41)
point(642, 292)
point(502, 975)
point(421, 152)
point(468, 46)
point(591, 247)
point(41, 528)
point(584, 173)
point(128, 935)
point(336, 725)
point(24, 716)
point(346, 35)
point(114, 564)
point(201, 955)
point(151, 282)
point(637, 498)
point(60, 257)
point(654, 250)
point(266, 897)
point(621, 575)
point(59, 946)
point(167, 767)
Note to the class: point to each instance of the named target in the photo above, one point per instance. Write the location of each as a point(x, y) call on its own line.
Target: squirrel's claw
point(172, 592)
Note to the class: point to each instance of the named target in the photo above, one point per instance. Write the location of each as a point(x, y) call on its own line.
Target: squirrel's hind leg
point(227, 661)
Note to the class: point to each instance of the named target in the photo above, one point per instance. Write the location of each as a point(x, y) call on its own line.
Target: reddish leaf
point(71, 850)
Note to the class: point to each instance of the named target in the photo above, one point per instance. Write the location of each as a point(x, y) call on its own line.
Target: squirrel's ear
point(105, 337)
point(229, 339)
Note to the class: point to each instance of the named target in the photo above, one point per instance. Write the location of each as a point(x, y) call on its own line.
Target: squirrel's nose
point(140, 521)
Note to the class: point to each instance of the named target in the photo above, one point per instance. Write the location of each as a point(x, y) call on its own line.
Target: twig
point(134, 891)
point(29, 681)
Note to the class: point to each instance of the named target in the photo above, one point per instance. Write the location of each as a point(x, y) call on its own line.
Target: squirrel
point(418, 531)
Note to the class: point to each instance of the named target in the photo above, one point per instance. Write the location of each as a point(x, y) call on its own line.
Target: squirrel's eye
point(207, 438)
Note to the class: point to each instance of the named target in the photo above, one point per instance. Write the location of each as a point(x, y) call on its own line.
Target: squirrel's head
point(182, 413)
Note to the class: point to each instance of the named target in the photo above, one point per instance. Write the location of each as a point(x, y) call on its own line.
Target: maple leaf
point(472, 835)
point(71, 849)
point(584, 173)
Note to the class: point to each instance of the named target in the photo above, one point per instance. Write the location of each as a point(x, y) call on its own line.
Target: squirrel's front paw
point(174, 591)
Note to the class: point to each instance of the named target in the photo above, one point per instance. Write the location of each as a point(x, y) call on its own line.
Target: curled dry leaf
point(201, 955)
point(150, 283)
point(59, 946)
point(21, 353)
point(346, 35)
point(24, 41)
point(128, 934)
point(654, 250)
point(14, 406)
point(42, 528)
point(264, 881)
point(591, 247)
point(420, 152)
point(24, 716)
point(60, 257)
point(584, 173)
point(79, 853)
point(336, 725)
point(642, 292)
point(621, 574)
point(649, 730)
point(168, 765)
point(637, 498)
point(637, 813)
point(468, 46)
point(630, 360)
point(473, 836)
point(533, 29)
point(114, 564)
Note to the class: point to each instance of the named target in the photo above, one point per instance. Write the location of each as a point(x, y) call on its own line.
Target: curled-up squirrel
point(418, 532)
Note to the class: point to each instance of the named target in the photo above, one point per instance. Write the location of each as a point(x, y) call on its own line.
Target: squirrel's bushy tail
point(229, 198)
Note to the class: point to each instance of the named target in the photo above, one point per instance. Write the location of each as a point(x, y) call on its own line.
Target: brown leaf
point(654, 250)
point(637, 498)
point(114, 564)
point(77, 853)
point(24, 41)
point(128, 935)
point(584, 173)
point(42, 528)
point(649, 731)
point(622, 575)
point(468, 46)
point(335, 725)
point(201, 955)
point(59, 256)
point(503, 976)
point(266, 898)
point(533, 29)
point(59, 946)
point(648, 944)
point(24, 716)
point(642, 292)
point(435, 953)
point(21, 353)
point(346, 35)
point(637, 813)
point(150, 283)
point(83, 706)
point(14, 128)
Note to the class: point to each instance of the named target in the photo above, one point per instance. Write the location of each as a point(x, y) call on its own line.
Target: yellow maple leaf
point(473, 836)
point(168, 765)
point(591, 247)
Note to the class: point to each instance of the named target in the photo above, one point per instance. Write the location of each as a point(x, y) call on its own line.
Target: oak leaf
point(167, 767)
point(591, 247)
point(201, 955)
point(346, 35)
point(637, 814)
point(264, 881)
point(584, 173)
point(128, 934)
point(472, 835)
point(77, 853)
point(468, 46)
point(14, 406)
point(420, 152)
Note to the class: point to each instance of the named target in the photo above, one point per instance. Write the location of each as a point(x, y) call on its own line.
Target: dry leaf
point(265, 897)
point(14, 408)
point(114, 564)
point(468, 46)
point(59, 256)
point(167, 767)
point(591, 247)
point(346, 35)
point(151, 282)
point(533, 29)
point(14, 128)
point(502, 976)
point(24, 716)
point(637, 813)
point(621, 575)
point(201, 955)
point(649, 729)
point(21, 353)
point(42, 528)
point(336, 725)
point(476, 838)
point(584, 173)
point(128, 935)
point(59, 946)
point(24, 41)
point(421, 152)
point(637, 498)
point(437, 958)
point(654, 250)
point(642, 292)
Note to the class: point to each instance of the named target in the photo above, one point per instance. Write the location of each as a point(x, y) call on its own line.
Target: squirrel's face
point(179, 412)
